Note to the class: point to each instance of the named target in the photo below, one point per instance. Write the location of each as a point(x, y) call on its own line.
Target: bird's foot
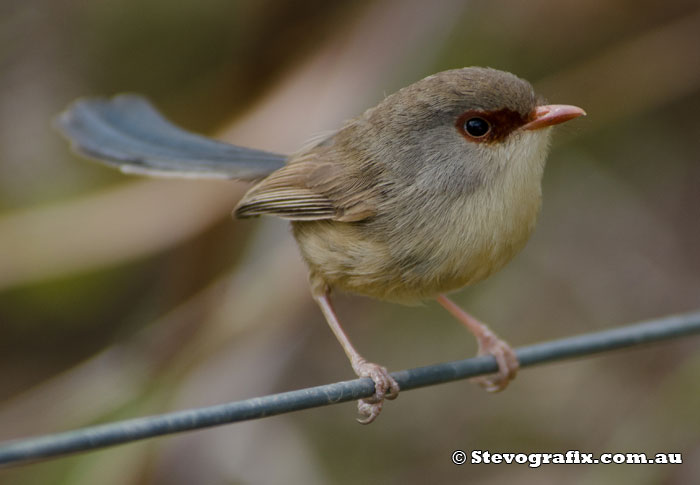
point(385, 387)
point(508, 365)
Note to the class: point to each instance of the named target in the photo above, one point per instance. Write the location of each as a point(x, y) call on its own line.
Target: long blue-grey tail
point(127, 132)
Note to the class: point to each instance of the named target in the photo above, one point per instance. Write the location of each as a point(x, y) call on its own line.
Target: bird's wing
point(127, 132)
point(310, 188)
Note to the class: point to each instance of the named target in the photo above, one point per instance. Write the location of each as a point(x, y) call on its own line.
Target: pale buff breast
point(438, 252)
point(494, 223)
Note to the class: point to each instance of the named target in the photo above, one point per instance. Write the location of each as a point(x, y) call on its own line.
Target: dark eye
point(477, 127)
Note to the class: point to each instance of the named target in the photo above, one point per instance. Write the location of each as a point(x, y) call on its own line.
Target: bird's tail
point(129, 133)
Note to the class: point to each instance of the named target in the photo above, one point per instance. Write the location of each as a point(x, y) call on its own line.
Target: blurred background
point(123, 296)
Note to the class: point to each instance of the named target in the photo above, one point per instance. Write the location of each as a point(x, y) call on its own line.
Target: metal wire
point(135, 429)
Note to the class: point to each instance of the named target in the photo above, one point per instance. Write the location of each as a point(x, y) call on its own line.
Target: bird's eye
point(477, 127)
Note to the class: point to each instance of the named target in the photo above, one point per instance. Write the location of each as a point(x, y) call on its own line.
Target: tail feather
point(127, 132)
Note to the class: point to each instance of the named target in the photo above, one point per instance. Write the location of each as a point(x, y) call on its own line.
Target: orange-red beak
point(552, 114)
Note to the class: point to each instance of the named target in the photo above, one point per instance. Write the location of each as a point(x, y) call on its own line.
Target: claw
point(508, 365)
point(369, 410)
point(385, 387)
point(489, 344)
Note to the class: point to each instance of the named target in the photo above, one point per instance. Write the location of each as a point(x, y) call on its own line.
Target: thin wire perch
point(119, 432)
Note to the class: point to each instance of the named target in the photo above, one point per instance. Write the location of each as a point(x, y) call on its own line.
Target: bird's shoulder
point(325, 181)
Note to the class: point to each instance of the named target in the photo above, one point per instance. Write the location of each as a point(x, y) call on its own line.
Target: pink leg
point(384, 385)
point(489, 343)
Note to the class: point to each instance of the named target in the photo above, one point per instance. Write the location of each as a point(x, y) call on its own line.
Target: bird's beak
point(552, 114)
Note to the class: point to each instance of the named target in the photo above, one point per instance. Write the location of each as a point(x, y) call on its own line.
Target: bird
point(433, 189)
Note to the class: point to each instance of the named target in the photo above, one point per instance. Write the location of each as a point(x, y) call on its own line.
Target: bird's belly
point(408, 266)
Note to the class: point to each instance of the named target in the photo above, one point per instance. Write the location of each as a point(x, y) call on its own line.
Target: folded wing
point(311, 188)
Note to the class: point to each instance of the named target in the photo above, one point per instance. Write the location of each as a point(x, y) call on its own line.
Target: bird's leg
point(385, 387)
point(489, 343)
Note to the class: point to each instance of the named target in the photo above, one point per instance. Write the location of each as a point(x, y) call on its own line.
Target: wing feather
point(310, 188)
